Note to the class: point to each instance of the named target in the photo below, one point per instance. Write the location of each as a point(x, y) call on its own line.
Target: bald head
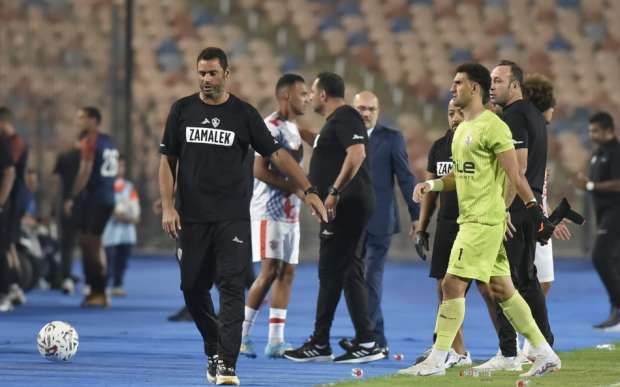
point(367, 104)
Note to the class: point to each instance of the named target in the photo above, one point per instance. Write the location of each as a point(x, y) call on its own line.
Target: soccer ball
point(58, 341)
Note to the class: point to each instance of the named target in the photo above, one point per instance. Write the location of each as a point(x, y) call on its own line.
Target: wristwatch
point(311, 190)
point(333, 191)
point(590, 186)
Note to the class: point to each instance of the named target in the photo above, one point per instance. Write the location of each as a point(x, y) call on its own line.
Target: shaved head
point(367, 104)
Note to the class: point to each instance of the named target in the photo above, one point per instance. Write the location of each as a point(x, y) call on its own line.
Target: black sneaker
point(225, 374)
point(181, 315)
point(310, 352)
point(359, 354)
point(613, 319)
point(212, 369)
point(347, 345)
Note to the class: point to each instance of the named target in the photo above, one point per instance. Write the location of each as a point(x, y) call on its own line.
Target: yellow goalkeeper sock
point(449, 319)
point(518, 312)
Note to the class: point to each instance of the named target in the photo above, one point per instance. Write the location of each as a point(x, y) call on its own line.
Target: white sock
point(248, 321)
point(526, 347)
point(543, 349)
point(277, 319)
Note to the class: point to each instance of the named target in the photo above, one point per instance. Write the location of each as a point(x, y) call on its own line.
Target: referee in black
point(529, 134)
point(7, 178)
point(209, 134)
point(604, 186)
point(340, 170)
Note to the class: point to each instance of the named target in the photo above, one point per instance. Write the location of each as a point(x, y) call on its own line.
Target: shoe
point(16, 295)
point(500, 363)
point(347, 344)
point(358, 354)
point(423, 356)
point(182, 314)
point(457, 360)
point(247, 347)
point(118, 291)
point(212, 369)
point(68, 286)
point(225, 374)
point(544, 363)
point(613, 319)
point(85, 290)
point(96, 300)
point(310, 352)
point(431, 366)
point(5, 304)
point(276, 350)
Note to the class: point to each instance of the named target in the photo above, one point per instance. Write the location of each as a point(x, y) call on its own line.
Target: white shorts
point(273, 239)
point(544, 262)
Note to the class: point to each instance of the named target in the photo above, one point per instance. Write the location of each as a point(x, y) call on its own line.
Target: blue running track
point(132, 344)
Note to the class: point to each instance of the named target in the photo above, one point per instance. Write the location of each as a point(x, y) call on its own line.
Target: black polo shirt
point(604, 166)
point(440, 164)
point(529, 130)
point(343, 128)
point(212, 145)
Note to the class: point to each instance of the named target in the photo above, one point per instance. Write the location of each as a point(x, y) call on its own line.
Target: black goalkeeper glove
point(544, 227)
point(421, 243)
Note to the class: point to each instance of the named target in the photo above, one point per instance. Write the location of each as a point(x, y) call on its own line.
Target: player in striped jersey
point(274, 211)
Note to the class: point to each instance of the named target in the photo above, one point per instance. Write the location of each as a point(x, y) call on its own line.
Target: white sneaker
point(16, 295)
point(500, 363)
point(5, 303)
point(86, 290)
point(545, 363)
point(613, 328)
point(432, 366)
point(68, 286)
point(457, 360)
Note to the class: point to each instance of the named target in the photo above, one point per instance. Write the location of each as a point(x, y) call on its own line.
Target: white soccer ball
point(58, 341)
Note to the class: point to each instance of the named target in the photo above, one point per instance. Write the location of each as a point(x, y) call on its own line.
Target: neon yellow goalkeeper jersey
point(480, 179)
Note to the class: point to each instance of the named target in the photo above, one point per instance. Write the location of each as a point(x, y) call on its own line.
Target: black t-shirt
point(440, 164)
point(605, 165)
point(6, 161)
point(343, 128)
point(529, 130)
point(211, 143)
point(66, 167)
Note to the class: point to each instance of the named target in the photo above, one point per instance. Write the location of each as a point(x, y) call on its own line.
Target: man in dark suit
point(388, 159)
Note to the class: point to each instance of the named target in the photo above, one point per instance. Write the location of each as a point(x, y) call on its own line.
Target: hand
point(420, 190)
point(316, 205)
point(171, 222)
point(421, 243)
point(330, 205)
point(510, 228)
point(562, 232)
point(580, 181)
point(544, 228)
point(67, 207)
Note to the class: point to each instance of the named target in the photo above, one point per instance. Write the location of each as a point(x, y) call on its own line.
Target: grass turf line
point(587, 367)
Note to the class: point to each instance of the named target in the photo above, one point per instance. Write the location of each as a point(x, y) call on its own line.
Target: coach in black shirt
point(604, 185)
point(209, 134)
point(340, 170)
point(529, 134)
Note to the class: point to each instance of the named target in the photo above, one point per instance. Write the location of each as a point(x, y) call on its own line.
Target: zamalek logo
point(468, 139)
point(215, 121)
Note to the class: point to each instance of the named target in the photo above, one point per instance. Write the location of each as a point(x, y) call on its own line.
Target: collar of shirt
point(369, 131)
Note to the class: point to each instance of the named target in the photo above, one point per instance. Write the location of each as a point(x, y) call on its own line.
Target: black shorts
point(93, 215)
point(445, 234)
point(5, 239)
point(521, 248)
point(215, 252)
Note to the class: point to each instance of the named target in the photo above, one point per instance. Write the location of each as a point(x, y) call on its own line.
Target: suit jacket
point(389, 162)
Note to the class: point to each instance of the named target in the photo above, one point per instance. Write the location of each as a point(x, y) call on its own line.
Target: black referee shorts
point(521, 248)
point(445, 234)
point(5, 239)
point(93, 215)
point(214, 251)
